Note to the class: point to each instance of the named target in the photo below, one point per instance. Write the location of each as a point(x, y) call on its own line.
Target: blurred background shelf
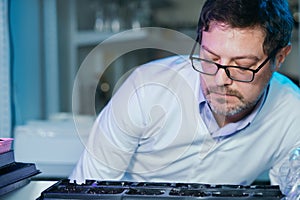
point(90, 37)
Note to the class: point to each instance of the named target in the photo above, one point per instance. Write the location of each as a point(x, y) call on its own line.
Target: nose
point(221, 78)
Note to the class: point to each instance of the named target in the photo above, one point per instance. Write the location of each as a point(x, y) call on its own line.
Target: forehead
point(223, 38)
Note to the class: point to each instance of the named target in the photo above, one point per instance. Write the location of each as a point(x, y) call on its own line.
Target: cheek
point(253, 91)
point(261, 80)
point(250, 93)
point(205, 82)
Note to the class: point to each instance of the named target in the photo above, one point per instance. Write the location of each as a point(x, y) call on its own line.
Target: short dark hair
point(273, 16)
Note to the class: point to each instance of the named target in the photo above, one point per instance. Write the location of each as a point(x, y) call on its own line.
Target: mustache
point(225, 91)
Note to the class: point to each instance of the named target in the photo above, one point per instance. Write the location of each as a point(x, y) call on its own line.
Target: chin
point(229, 111)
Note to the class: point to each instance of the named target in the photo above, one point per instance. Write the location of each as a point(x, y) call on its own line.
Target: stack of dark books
point(13, 175)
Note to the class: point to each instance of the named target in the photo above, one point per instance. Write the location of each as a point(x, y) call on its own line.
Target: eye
point(246, 63)
point(241, 70)
point(211, 57)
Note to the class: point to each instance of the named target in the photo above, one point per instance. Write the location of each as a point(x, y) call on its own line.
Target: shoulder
point(281, 80)
point(278, 120)
point(284, 90)
point(168, 80)
point(282, 116)
point(168, 68)
point(167, 71)
point(281, 107)
point(175, 63)
point(281, 111)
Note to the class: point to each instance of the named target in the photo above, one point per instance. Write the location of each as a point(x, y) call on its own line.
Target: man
point(223, 115)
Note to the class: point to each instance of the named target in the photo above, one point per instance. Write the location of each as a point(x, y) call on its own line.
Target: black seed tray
point(122, 190)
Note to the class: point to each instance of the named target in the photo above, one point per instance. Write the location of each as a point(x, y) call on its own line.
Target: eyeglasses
point(236, 73)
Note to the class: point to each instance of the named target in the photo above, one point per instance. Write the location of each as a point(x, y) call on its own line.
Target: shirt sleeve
point(114, 137)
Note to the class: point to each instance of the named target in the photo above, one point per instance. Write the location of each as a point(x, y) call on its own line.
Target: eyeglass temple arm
point(273, 53)
point(195, 44)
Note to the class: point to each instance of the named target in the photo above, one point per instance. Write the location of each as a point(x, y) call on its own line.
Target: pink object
point(5, 144)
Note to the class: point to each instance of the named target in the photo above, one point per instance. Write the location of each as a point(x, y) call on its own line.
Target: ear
point(281, 55)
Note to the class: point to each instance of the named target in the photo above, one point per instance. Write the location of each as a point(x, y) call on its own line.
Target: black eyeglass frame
point(254, 71)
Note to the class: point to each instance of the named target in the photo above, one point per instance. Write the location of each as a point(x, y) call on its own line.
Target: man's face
point(236, 47)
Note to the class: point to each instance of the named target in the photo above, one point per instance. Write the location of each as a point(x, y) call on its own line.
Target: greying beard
point(232, 111)
point(225, 110)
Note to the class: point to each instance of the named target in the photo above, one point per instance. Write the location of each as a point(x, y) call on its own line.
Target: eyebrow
point(252, 57)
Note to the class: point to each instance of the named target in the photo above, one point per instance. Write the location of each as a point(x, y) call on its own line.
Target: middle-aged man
point(222, 115)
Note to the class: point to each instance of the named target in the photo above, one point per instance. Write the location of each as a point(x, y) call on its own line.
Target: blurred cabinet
point(78, 34)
